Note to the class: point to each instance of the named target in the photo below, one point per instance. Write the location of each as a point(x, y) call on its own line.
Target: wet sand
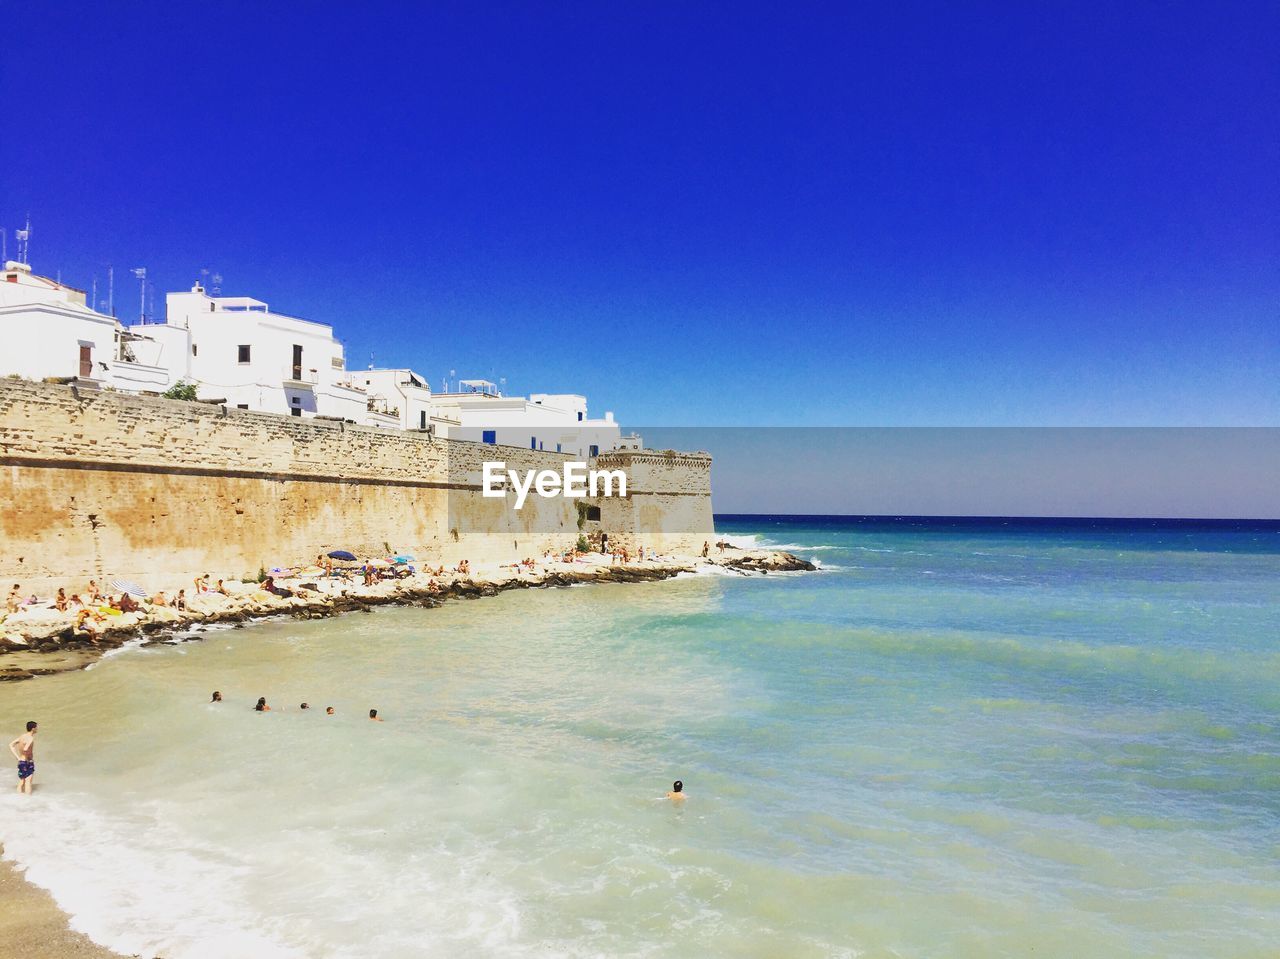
point(33, 927)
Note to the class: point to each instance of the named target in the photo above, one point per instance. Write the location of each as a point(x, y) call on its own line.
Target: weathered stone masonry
point(109, 484)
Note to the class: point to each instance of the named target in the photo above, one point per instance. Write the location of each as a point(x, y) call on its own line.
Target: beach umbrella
point(343, 555)
point(377, 562)
point(310, 571)
point(125, 586)
point(401, 560)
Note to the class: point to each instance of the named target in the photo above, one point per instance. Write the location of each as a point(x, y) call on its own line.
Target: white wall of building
point(403, 393)
point(553, 422)
point(237, 349)
point(48, 331)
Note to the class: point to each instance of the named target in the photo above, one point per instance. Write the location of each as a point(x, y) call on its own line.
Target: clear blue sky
point(693, 213)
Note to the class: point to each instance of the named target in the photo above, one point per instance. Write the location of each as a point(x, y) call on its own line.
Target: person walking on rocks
point(24, 750)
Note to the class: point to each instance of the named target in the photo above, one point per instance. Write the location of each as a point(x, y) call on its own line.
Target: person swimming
point(262, 706)
point(677, 792)
point(304, 706)
point(373, 714)
point(217, 697)
point(328, 710)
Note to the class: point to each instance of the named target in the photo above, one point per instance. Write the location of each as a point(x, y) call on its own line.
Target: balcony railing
point(296, 374)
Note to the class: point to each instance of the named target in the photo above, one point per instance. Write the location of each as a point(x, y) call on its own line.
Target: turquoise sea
point(958, 739)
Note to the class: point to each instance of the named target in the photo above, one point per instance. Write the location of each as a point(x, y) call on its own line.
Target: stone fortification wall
point(114, 485)
point(668, 506)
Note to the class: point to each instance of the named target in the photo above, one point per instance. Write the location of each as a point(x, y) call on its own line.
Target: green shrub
point(181, 390)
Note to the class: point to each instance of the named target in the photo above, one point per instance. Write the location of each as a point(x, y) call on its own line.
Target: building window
point(594, 450)
point(558, 448)
point(490, 437)
point(296, 401)
point(579, 416)
point(533, 442)
point(242, 406)
point(194, 351)
point(422, 419)
point(243, 354)
point(296, 411)
point(593, 513)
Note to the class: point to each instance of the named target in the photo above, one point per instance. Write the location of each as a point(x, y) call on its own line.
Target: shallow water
point(956, 741)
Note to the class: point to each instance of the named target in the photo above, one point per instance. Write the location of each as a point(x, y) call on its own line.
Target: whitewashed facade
point(555, 422)
point(402, 393)
point(50, 331)
point(236, 349)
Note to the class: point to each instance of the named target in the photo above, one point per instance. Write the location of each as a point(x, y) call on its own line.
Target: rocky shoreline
point(38, 641)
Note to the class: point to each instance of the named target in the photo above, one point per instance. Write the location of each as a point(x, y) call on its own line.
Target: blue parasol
point(342, 554)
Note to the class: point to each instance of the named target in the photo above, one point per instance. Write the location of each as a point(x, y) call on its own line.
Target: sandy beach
point(32, 925)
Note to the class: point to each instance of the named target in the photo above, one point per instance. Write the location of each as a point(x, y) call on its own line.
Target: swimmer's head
point(677, 786)
point(262, 703)
point(328, 710)
point(217, 697)
point(373, 714)
point(304, 706)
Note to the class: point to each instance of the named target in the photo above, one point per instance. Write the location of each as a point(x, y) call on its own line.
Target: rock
point(54, 634)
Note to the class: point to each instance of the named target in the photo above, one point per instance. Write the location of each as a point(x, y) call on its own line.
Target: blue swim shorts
point(26, 768)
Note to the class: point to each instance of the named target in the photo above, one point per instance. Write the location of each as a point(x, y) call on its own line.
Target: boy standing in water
point(24, 750)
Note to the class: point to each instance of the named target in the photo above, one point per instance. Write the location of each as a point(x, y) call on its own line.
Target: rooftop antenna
point(502, 384)
point(93, 299)
point(452, 373)
point(217, 284)
point(24, 240)
point(371, 359)
point(141, 273)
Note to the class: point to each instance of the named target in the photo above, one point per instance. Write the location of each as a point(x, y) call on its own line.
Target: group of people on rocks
point(89, 604)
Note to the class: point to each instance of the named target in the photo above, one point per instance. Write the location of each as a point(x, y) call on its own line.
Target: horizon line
point(984, 516)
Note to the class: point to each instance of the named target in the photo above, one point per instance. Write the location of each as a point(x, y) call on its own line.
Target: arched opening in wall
point(593, 514)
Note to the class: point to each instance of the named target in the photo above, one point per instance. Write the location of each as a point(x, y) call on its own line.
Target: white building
point(404, 394)
point(544, 421)
point(50, 331)
point(238, 351)
point(235, 348)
